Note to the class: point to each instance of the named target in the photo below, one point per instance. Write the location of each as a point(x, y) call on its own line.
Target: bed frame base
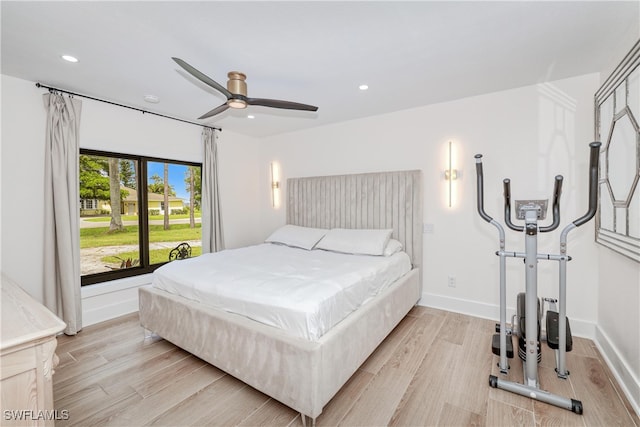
point(269, 359)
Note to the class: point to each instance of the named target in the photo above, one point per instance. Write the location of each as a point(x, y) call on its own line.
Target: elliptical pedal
point(553, 334)
point(495, 345)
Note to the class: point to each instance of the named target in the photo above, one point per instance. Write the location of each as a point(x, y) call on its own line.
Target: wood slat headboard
point(370, 200)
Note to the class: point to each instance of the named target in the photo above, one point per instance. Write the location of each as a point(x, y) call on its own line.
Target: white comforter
point(303, 292)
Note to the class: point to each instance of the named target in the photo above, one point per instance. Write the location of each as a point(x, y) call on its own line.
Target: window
point(88, 204)
point(133, 211)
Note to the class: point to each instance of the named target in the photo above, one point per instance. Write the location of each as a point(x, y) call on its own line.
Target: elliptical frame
point(532, 211)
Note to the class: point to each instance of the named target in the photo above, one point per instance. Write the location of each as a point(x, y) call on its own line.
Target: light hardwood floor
point(431, 370)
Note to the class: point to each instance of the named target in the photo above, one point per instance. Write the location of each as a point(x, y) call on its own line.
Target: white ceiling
point(409, 53)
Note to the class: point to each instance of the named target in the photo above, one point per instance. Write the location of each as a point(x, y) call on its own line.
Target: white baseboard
point(621, 371)
point(579, 328)
point(105, 301)
point(457, 305)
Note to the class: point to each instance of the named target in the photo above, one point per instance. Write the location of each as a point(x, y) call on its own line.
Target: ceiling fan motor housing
point(236, 83)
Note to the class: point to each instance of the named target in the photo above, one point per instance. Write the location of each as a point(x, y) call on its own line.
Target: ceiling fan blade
point(215, 111)
point(203, 78)
point(275, 103)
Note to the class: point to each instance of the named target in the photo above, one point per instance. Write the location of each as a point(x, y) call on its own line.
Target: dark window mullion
point(143, 213)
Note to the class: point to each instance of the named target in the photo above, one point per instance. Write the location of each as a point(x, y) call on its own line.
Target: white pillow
point(296, 236)
point(392, 247)
point(353, 241)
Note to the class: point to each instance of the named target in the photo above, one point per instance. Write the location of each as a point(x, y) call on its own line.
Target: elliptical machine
point(529, 313)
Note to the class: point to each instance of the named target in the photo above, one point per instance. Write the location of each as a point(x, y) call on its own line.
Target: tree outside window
point(133, 211)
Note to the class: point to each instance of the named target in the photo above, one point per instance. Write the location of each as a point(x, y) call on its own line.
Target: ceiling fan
point(236, 93)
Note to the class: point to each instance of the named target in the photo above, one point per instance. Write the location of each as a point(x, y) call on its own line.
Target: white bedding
point(303, 292)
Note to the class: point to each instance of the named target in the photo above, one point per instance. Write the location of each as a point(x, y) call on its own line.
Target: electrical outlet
point(451, 281)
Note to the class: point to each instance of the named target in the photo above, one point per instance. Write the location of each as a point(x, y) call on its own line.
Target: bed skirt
point(301, 374)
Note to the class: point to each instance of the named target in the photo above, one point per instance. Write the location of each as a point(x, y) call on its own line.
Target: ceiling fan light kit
point(237, 103)
point(236, 93)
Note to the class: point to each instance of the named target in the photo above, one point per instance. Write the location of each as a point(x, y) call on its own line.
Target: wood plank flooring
point(431, 370)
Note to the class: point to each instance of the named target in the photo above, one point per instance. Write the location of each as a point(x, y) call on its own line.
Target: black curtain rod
point(55, 89)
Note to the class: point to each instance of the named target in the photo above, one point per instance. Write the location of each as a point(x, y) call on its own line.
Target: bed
point(305, 372)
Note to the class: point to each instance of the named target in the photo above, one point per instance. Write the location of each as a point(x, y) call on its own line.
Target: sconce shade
point(275, 186)
point(450, 174)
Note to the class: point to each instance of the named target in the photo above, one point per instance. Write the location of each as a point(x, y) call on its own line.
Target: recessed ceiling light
point(152, 99)
point(251, 116)
point(363, 87)
point(69, 58)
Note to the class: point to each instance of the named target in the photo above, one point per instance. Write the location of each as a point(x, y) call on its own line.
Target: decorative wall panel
point(617, 108)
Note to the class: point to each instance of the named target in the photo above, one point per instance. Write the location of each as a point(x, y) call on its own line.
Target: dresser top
point(23, 318)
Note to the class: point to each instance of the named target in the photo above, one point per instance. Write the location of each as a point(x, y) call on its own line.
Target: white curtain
point(61, 211)
point(212, 238)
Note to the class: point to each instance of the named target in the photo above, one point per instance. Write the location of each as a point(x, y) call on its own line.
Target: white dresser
point(27, 358)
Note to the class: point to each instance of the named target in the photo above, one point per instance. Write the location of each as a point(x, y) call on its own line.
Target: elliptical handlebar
point(594, 160)
point(557, 191)
point(480, 189)
point(507, 206)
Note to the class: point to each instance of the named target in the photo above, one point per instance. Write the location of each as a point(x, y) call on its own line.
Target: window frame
point(143, 216)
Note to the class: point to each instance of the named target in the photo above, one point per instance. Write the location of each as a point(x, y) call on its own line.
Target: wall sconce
point(450, 174)
point(275, 185)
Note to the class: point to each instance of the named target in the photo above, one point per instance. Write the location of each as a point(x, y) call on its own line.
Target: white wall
point(108, 128)
point(618, 331)
point(528, 134)
point(23, 127)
